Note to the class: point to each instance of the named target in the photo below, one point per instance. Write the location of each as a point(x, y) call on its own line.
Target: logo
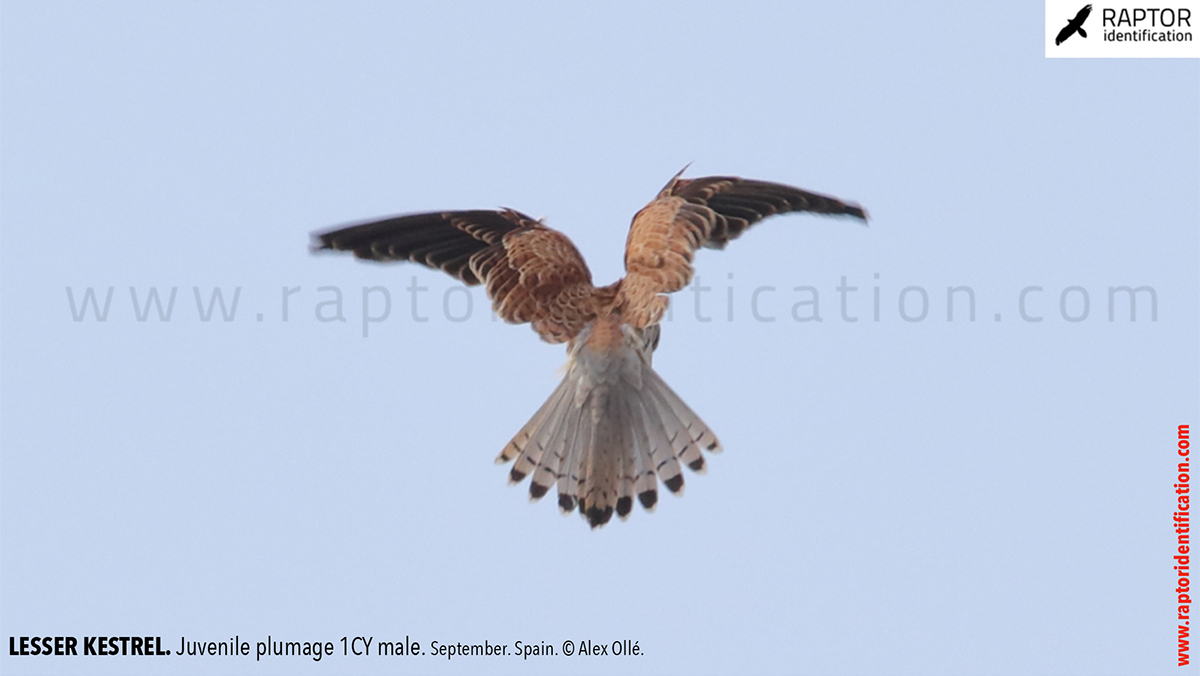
point(1074, 26)
point(1122, 29)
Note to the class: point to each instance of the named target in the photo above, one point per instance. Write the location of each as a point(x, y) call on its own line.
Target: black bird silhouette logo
point(1074, 25)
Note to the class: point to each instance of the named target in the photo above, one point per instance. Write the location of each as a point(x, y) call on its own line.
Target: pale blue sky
point(895, 497)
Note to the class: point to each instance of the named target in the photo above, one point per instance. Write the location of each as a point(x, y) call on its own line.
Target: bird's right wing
point(532, 273)
point(702, 212)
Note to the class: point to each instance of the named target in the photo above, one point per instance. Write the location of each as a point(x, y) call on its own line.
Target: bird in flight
point(1074, 25)
point(612, 429)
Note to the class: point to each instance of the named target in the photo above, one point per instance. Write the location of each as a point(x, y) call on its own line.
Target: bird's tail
point(608, 433)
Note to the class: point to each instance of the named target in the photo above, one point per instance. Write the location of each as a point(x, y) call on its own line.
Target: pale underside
point(613, 427)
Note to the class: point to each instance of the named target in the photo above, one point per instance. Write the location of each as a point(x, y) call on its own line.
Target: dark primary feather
point(445, 239)
point(533, 274)
point(739, 203)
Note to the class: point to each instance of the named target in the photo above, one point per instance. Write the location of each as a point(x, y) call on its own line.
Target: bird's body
point(612, 429)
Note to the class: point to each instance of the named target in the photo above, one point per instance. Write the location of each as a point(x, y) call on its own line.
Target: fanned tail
point(609, 432)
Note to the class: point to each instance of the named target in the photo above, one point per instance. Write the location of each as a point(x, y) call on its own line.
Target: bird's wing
point(1065, 33)
point(691, 213)
point(1082, 15)
point(532, 273)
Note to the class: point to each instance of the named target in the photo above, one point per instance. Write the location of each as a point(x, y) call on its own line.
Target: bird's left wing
point(702, 212)
point(532, 273)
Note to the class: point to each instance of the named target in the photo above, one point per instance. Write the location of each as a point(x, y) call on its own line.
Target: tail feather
point(662, 454)
point(682, 444)
point(550, 456)
point(568, 478)
point(626, 469)
point(646, 484)
point(605, 482)
point(608, 433)
point(569, 433)
point(694, 426)
point(533, 444)
point(520, 441)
